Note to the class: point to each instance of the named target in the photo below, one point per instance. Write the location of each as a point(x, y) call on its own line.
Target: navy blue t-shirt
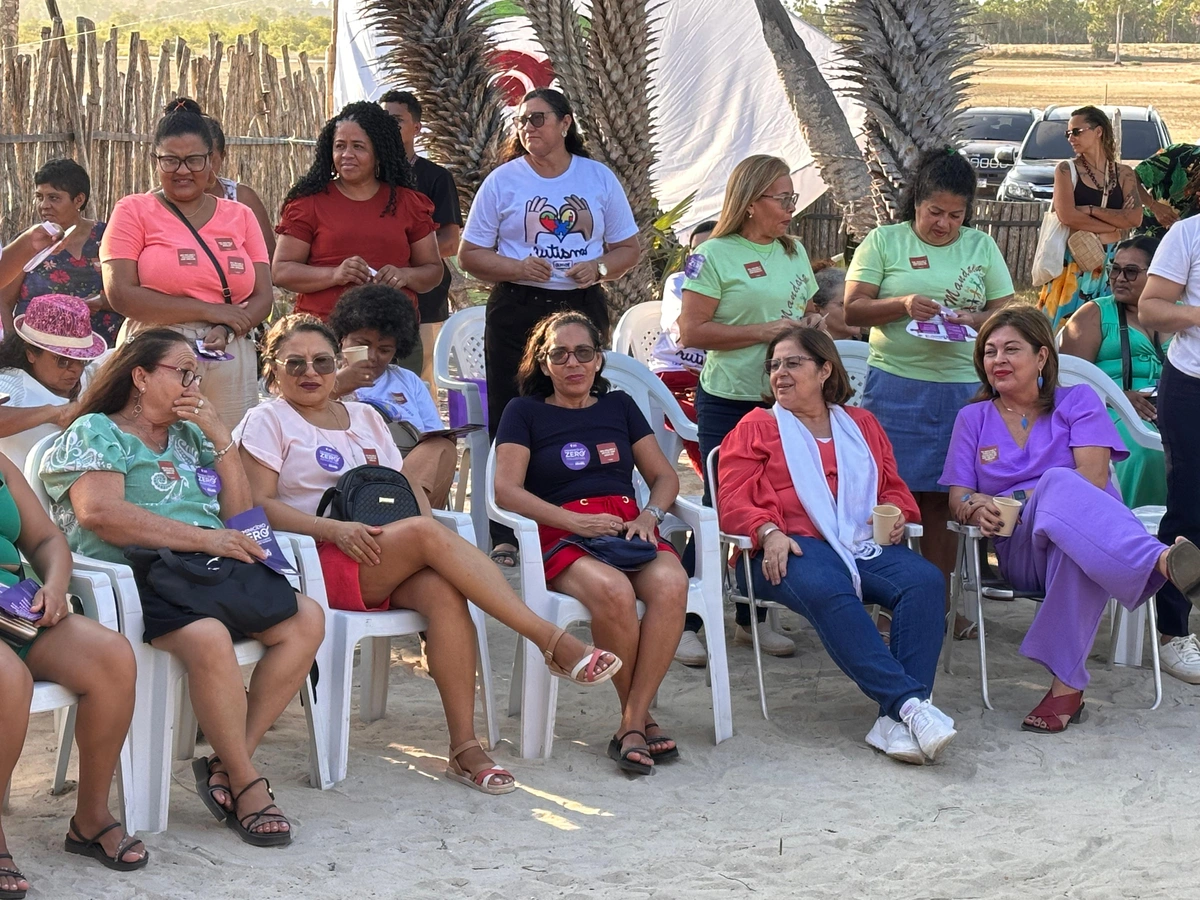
point(576, 453)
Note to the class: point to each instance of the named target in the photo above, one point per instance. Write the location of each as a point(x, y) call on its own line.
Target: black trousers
point(1178, 403)
point(512, 312)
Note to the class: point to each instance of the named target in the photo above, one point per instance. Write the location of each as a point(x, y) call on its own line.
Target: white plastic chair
point(638, 330)
point(854, 358)
point(1127, 628)
point(162, 719)
point(538, 696)
point(459, 349)
point(96, 596)
point(374, 631)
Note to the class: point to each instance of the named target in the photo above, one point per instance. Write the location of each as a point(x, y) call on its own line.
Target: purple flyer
point(253, 523)
point(16, 600)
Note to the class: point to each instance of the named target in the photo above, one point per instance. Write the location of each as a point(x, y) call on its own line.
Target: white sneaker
point(896, 740)
point(691, 652)
point(1181, 657)
point(771, 642)
point(931, 727)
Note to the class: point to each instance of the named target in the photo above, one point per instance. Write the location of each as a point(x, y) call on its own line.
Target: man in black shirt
point(436, 183)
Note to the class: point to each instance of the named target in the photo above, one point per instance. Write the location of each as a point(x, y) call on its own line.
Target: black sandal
point(255, 838)
point(93, 848)
point(662, 755)
point(14, 874)
point(203, 769)
point(622, 756)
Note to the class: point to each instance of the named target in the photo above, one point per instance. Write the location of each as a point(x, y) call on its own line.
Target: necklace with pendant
point(1024, 416)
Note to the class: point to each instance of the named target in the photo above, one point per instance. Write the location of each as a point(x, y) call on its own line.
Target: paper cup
point(884, 518)
point(353, 355)
point(1009, 510)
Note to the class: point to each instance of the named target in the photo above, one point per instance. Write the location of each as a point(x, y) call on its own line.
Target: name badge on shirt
point(756, 270)
point(371, 457)
point(919, 262)
point(989, 454)
point(608, 453)
point(399, 398)
point(225, 244)
point(237, 265)
point(188, 258)
point(168, 469)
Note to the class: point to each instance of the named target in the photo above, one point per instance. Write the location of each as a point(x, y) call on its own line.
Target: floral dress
point(1172, 174)
point(75, 276)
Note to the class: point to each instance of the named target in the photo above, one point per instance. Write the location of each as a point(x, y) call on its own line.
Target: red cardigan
point(756, 487)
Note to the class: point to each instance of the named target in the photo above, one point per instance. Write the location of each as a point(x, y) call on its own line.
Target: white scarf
point(843, 524)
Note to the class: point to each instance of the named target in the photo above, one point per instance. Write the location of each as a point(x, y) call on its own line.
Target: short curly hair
point(379, 308)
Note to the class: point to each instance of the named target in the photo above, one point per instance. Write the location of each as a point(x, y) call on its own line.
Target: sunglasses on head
point(537, 120)
point(1076, 132)
point(298, 365)
point(559, 355)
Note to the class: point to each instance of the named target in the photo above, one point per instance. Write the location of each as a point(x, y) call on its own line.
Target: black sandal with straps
point(204, 768)
point(661, 755)
point(244, 829)
point(16, 876)
point(615, 752)
point(93, 848)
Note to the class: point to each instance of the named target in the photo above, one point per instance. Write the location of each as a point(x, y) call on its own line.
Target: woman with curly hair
point(355, 217)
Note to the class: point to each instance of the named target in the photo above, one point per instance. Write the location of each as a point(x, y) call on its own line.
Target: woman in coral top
point(802, 479)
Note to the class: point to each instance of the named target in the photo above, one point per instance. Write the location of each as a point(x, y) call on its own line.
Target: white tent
point(717, 93)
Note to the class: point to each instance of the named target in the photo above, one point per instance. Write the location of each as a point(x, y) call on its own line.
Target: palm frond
point(560, 32)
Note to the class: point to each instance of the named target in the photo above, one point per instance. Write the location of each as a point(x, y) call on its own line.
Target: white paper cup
point(353, 355)
point(884, 519)
point(1009, 510)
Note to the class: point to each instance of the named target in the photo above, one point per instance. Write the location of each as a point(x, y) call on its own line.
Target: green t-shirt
point(966, 275)
point(753, 283)
point(10, 530)
point(164, 483)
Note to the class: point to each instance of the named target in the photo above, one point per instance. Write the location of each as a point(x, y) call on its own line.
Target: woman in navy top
point(566, 451)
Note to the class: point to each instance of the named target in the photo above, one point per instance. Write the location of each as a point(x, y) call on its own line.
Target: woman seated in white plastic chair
point(84, 657)
point(296, 447)
point(802, 480)
point(565, 454)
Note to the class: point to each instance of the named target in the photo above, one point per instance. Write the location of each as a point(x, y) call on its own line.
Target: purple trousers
point(1080, 546)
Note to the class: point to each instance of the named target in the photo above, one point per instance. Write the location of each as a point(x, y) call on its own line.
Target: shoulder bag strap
point(199, 240)
point(1126, 356)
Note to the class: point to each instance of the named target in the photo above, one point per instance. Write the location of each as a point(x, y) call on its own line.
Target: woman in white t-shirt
point(546, 228)
point(296, 447)
point(42, 362)
point(1170, 301)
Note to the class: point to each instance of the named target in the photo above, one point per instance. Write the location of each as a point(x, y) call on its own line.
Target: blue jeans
point(818, 586)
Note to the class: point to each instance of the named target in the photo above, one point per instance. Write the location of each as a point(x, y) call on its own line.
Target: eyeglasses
point(771, 366)
point(1129, 273)
point(537, 120)
point(559, 355)
point(1076, 132)
point(68, 362)
point(787, 201)
point(186, 376)
point(297, 365)
point(194, 163)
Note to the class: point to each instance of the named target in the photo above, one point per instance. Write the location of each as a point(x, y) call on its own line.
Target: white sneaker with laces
point(772, 642)
point(931, 727)
point(1181, 657)
point(896, 740)
point(691, 652)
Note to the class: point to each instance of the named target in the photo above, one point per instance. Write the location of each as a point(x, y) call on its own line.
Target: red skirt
point(623, 507)
point(341, 579)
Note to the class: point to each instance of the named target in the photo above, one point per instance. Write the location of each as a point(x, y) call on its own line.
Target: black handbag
point(372, 495)
point(247, 598)
point(628, 555)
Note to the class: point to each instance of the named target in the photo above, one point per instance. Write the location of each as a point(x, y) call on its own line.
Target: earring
point(1041, 380)
point(137, 407)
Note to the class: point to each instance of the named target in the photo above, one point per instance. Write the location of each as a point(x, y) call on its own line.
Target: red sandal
point(1051, 710)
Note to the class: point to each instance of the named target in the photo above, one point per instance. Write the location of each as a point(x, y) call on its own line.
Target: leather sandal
point(204, 769)
point(244, 829)
point(584, 672)
point(482, 780)
point(1052, 709)
point(661, 755)
point(93, 848)
point(14, 874)
point(621, 756)
point(1183, 568)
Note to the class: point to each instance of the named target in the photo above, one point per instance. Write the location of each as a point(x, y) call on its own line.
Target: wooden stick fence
point(101, 110)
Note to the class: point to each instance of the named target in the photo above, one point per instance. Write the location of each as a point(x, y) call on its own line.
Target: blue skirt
point(918, 417)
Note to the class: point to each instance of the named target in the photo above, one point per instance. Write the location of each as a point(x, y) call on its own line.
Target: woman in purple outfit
point(1050, 447)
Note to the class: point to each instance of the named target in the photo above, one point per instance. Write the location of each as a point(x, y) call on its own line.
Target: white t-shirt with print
point(563, 220)
point(666, 355)
point(1178, 259)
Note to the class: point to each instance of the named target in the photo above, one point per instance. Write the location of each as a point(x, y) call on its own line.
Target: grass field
point(1172, 87)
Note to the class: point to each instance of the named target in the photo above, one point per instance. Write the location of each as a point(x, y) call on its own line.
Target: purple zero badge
point(209, 481)
point(691, 268)
point(329, 459)
point(575, 456)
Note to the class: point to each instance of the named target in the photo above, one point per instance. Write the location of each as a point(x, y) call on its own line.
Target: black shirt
point(436, 183)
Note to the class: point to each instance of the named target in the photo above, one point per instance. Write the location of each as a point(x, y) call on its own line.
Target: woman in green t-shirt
point(914, 270)
point(744, 285)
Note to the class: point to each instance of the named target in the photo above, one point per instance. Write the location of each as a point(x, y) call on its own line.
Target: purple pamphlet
point(16, 600)
point(213, 355)
point(254, 524)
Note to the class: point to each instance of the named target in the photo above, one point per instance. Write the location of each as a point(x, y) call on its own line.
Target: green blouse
point(10, 530)
point(164, 483)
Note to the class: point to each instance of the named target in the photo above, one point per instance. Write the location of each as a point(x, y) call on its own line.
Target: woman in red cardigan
point(802, 479)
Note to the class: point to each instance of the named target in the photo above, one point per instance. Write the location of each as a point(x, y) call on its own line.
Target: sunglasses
point(298, 365)
point(186, 376)
point(1129, 273)
point(559, 355)
point(772, 366)
point(537, 120)
point(787, 201)
point(1076, 132)
point(169, 164)
point(67, 362)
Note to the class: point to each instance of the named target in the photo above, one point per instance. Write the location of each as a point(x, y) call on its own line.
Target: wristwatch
point(658, 514)
point(603, 270)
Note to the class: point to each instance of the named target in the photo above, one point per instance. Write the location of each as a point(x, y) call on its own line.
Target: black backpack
point(373, 495)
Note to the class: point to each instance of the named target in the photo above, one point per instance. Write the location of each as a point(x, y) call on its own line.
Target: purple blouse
point(984, 457)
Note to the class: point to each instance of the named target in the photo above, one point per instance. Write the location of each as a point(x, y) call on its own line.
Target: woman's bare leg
point(16, 693)
point(663, 587)
point(291, 646)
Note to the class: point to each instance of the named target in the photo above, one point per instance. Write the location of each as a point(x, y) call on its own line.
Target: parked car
point(984, 132)
point(1143, 133)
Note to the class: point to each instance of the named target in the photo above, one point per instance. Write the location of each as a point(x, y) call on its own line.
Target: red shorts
point(623, 507)
point(341, 579)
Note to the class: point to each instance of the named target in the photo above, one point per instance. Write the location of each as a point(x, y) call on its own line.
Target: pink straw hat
point(62, 325)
